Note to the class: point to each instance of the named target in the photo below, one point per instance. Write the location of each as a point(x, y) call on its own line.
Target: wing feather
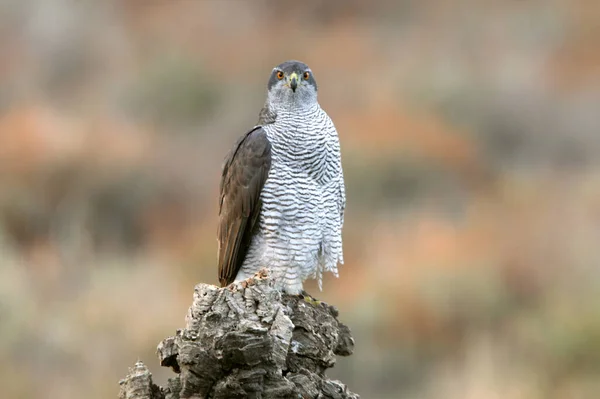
point(244, 174)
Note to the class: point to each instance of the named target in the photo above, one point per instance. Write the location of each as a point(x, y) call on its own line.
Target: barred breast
point(303, 200)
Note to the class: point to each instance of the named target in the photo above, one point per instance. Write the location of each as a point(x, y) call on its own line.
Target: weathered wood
point(138, 384)
point(249, 341)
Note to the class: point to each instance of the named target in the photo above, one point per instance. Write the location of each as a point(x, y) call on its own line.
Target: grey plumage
point(282, 190)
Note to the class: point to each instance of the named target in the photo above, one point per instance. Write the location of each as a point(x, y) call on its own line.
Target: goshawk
point(282, 194)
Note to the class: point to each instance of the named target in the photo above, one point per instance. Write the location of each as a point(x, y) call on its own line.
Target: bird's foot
point(250, 281)
point(309, 299)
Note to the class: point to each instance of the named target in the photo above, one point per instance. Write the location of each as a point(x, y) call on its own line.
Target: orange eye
point(279, 75)
point(306, 75)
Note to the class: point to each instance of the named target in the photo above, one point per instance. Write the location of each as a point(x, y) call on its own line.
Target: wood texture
point(249, 341)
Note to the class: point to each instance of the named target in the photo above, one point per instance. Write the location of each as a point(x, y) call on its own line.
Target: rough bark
point(249, 341)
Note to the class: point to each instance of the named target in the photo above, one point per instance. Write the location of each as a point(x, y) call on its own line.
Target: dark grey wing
point(244, 174)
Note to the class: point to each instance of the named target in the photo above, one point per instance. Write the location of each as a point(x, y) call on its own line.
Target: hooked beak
point(294, 81)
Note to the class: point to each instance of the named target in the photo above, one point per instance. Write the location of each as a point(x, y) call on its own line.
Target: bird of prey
point(282, 194)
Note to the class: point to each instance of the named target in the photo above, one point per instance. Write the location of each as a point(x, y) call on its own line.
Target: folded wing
point(244, 174)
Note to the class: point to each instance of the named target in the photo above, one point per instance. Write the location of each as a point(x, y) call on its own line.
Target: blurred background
point(470, 136)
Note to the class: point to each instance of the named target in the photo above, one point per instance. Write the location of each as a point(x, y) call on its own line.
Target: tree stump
point(249, 341)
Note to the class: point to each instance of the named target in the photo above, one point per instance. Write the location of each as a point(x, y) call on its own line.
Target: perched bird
point(282, 194)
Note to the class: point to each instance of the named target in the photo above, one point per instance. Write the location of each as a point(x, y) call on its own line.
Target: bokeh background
point(470, 133)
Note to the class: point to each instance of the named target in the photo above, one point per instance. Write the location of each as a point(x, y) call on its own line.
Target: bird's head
point(292, 85)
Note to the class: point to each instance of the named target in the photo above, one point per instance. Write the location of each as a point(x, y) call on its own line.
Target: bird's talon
point(311, 300)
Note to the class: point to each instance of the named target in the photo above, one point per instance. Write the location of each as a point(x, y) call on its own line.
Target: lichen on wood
point(249, 341)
